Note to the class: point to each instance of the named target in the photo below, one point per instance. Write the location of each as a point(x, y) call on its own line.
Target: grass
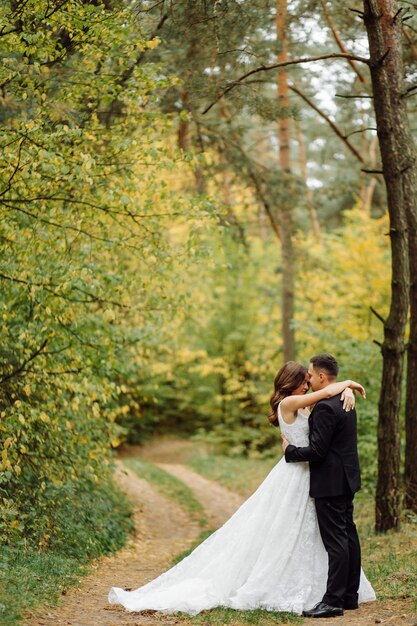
point(222, 616)
point(169, 486)
point(29, 579)
point(239, 474)
point(202, 537)
point(93, 522)
point(390, 560)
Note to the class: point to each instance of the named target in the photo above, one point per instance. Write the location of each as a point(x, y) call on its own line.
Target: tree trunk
point(396, 146)
point(284, 211)
point(184, 125)
point(411, 399)
point(368, 187)
point(315, 225)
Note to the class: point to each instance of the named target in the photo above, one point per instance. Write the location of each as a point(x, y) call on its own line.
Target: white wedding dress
point(268, 555)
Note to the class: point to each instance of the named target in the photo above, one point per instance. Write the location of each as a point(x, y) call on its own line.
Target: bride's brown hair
point(288, 379)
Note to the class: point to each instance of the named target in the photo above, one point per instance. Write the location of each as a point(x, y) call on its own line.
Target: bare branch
point(339, 41)
point(341, 95)
point(360, 13)
point(15, 169)
point(332, 125)
point(362, 130)
point(377, 315)
point(267, 68)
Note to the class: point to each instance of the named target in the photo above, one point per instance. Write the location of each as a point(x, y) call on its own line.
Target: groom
point(334, 479)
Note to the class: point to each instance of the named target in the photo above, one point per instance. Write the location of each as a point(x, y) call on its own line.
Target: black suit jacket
point(332, 451)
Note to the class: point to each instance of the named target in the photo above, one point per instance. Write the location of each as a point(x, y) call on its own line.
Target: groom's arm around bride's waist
point(321, 436)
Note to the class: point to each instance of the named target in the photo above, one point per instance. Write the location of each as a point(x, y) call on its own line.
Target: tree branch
point(377, 315)
point(341, 95)
point(267, 68)
point(80, 231)
point(332, 125)
point(339, 41)
point(362, 130)
point(21, 367)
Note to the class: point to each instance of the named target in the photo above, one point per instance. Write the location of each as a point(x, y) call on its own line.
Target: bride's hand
point(348, 399)
point(358, 387)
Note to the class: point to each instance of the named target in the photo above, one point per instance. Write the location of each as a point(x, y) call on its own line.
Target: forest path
point(163, 530)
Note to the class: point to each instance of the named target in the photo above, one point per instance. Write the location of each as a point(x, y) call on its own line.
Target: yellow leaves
point(5, 464)
point(8, 442)
point(109, 315)
point(14, 524)
point(233, 385)
point(96, 409)
point(27, 389)
point(186, 355)
point(44, 417)
point(340, 279)
point(153, 43)
point(21, 419)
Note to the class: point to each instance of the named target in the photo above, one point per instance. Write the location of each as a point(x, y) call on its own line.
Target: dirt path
point(163, 530)
point(218, 502)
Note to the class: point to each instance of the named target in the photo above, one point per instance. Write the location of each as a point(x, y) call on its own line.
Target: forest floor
point(163, 530)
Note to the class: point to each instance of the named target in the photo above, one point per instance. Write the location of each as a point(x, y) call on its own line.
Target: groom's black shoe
point(323, 610)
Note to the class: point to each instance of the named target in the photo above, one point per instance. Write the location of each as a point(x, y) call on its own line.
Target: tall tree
point(284, 209)
point(399, 164)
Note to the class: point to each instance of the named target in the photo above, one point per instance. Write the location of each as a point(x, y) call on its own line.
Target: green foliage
point(218, 367)
point(29, 579)
point(88, 245)
point(88, 522)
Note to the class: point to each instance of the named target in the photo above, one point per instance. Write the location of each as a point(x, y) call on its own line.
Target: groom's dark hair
point(325, 363)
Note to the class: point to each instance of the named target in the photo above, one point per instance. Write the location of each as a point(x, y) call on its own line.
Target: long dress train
point(268, 555)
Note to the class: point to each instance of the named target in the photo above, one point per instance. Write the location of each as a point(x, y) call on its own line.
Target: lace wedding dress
point(268, 555)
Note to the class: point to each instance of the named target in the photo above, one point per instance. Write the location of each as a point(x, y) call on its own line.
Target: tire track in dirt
point(219, 503)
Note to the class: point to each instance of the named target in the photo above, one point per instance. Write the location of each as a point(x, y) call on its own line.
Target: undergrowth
point(93, 522)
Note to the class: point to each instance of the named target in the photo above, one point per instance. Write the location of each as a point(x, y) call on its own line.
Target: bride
point(269, 554)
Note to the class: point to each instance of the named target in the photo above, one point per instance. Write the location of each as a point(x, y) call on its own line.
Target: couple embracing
point(293, 545)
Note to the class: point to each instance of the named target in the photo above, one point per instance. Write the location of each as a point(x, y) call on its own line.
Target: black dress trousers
point(341, 541)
